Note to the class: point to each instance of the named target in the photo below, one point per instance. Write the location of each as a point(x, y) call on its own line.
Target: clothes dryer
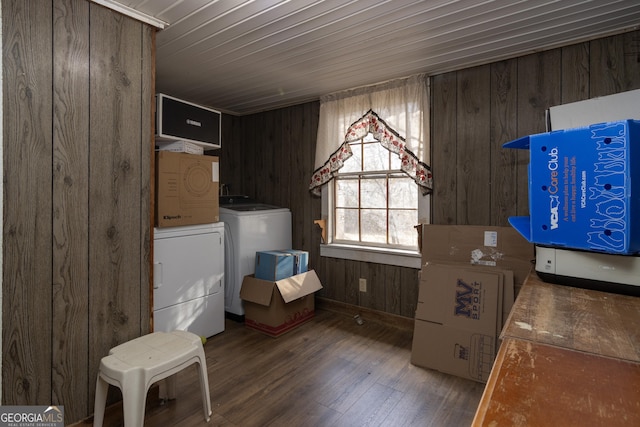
point(188, 279)
point(250, 227)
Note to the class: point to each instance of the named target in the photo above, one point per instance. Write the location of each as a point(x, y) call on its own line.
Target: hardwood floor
point(328, 372)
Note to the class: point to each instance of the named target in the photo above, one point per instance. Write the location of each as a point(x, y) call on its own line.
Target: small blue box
point(280, 264)
point(584, 188)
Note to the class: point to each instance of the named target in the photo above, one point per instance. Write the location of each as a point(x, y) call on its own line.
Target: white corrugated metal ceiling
point(243, 56)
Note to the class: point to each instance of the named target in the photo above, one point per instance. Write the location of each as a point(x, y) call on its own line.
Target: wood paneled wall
point(77, 96)
point(477, 110)
point(474, 111)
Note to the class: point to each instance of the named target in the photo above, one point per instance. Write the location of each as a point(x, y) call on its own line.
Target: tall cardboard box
point(276, 307)
point(187, 189)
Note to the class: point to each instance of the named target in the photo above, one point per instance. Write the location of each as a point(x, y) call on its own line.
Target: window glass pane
point(353, 163)
point(347, 192)
point(376, 157)
point(374, 193)
point(369, 138)
point(347, 227)
point(396, 164)
point(401, 231)
point(362, 213)
point(374, 225)
point(402, 192)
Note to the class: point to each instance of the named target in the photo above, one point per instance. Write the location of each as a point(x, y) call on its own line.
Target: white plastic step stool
point(135, 365)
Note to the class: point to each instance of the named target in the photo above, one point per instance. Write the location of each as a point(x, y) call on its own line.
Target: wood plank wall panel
point(474, 111)
point(410, 280)
point(503, 166)
point(115, 181)
point(231, 157)
point(27, 203)
point(375, 296)
point(312, 235)
point(443, 148)
point(351, 281)
point(473, 157)
point(146, 170)
point(263, 173)
point(296, 174)
point(575, 73)
point(71, 205)
point(280, 161)
point(615, 64)
point(77, 226)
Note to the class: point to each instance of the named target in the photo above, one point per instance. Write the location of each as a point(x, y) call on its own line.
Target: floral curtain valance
point(396, 113)
point(388, 138)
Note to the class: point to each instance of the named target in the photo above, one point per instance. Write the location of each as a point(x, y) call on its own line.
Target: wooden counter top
point(568, 357)
point(579, 319)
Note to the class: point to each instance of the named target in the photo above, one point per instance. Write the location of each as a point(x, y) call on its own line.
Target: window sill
point(397, 257)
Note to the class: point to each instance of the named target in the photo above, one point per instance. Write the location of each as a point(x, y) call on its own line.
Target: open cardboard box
point(274, 308)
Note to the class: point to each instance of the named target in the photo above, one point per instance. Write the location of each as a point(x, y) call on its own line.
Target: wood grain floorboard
point(328, 372)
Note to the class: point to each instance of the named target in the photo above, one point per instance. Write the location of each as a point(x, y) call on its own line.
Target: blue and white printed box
point(280, 264)
point(584, 188)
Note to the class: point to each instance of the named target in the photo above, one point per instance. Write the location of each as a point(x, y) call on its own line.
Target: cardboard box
point(277, 265)
point(187, 187)
point(274, 308)
point(580, 188)
point(180, 147)
point(458, 319)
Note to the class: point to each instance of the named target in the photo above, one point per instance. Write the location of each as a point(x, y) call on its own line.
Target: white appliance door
point(187, 267)
point(201, 316)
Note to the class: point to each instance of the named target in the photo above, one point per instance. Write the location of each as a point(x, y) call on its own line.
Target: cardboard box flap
point(522, 225)
point(256, 290)
point(522, 143)
point(297, 286)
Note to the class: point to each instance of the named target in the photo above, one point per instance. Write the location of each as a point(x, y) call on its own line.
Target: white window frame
point(374, 254)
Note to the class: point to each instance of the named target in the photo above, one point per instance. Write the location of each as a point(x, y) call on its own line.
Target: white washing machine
point(249, 227)
point(188, 279)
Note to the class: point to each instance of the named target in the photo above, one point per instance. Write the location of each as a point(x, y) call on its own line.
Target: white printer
point(591, 270)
